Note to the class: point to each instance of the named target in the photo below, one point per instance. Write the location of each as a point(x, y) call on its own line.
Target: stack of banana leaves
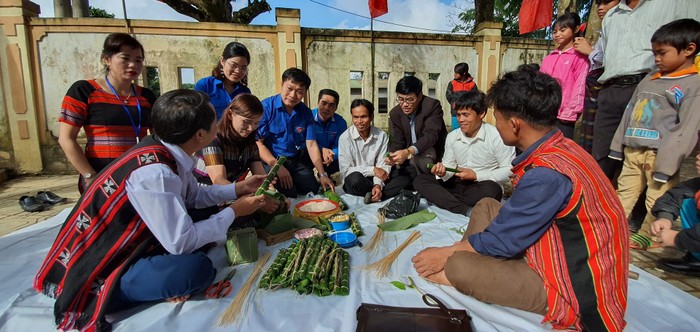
point(333, 196)
point(315, 265)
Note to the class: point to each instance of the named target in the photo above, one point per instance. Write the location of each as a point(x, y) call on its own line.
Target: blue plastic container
point(340, 225)
point(344, 239)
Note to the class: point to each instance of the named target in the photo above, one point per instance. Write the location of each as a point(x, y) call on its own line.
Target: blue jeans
point(160, 277)
point(689, 218)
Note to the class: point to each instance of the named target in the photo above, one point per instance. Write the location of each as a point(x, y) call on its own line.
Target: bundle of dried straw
point(371, 247)
point(232, 313)
point(383, 265)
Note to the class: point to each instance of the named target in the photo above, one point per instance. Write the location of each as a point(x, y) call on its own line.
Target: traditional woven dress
point(583, 258)
point(101, 237)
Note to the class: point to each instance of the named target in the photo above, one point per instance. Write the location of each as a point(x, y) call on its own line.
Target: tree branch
point(187, 8)
point(247, 14)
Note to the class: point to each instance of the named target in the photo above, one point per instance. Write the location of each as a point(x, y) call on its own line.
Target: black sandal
point(50, 198)
point(31, 204)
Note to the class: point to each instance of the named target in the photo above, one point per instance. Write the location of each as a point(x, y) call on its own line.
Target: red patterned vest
point(101, 237)
point(584, 257)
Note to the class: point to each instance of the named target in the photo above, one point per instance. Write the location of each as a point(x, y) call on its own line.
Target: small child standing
point(659, 127)
point(570, 68)
point(463, 82)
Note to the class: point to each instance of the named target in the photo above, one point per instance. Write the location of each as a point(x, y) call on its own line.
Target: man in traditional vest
point(558, 246)
point(130, 239)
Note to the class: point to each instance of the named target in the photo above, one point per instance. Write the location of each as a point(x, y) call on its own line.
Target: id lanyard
point(136, 128)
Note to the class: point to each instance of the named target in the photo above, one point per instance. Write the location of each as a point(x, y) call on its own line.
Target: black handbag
point(381, 318)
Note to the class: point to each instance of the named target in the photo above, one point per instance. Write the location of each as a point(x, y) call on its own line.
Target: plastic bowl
point(344, 239)
point(313, 216)
point(340, 225)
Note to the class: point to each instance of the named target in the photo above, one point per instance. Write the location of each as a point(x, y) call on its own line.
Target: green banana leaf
point(408, 221)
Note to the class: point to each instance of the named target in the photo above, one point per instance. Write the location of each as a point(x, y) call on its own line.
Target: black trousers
point(332, 167)
point(399, 178)
point(455, 195)
point(612, 101)
point(302, 172)
point(359, 185)
point(567, 128)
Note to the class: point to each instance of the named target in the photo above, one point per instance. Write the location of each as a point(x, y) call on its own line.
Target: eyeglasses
point(236, 67)
point(407, 101)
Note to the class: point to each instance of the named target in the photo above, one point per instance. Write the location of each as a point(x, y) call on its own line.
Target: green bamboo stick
point(271, 175)
point(449, 169)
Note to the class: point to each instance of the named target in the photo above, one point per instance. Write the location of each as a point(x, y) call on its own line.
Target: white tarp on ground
point(654, 305)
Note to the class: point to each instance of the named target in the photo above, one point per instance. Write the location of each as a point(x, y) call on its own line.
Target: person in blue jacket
point(228, 77)
point(328, 126)
point(681, 201)
point(287, 129)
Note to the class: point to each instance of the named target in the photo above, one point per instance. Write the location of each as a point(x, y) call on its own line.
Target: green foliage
point(153, 80)
point(99, 12)
point(398, 284)
point(188, 86)
point(506, 12)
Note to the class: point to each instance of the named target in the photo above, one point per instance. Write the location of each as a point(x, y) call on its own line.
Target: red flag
point(535, 14)
point(378, 8)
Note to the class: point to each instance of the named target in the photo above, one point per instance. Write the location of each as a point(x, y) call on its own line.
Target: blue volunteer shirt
point(528, 213)
point(285, 134)
point(328, 134)
point(218, 95)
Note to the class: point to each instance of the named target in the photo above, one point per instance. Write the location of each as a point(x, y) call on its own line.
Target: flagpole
point(126, 19)
point(371, 27)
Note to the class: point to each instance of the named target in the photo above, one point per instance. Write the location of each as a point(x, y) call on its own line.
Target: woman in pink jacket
point(570, 68)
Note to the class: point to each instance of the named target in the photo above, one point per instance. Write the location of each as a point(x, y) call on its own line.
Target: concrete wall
point(64, 62)
point(330, 61)
point(41, 57)
point(519, 51)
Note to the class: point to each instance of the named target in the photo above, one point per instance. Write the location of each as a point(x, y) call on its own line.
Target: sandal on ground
point(642, 242)
point(49, 198)
point(31, 204)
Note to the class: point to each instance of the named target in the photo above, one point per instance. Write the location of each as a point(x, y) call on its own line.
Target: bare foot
point(439, 278)
point(178, 299)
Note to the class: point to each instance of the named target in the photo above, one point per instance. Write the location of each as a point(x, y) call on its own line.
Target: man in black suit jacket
point(417, 134)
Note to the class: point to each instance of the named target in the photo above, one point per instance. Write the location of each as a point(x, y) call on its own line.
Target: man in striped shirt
point(558, 246)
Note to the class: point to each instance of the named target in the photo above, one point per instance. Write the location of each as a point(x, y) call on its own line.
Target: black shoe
point(50, 198)
point(368, 197)
point(31, 204)
point(634, 225)
point(687, 265)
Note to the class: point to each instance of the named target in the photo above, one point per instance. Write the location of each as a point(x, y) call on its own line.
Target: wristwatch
point(323, 174)
point(87, 175)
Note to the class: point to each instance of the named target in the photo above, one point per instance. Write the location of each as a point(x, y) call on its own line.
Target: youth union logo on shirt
point(300, 130)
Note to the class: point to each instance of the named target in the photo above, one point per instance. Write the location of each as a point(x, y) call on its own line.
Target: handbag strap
point(433, 301)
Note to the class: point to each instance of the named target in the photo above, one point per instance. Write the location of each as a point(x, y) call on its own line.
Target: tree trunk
point(62, 8)
point(218, 10)
point(484, 11)
point(571, 5)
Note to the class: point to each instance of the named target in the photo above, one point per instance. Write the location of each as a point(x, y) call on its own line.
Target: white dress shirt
point(162, 198)
point(484, 153)
point(358, 155)
point(627, 33)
